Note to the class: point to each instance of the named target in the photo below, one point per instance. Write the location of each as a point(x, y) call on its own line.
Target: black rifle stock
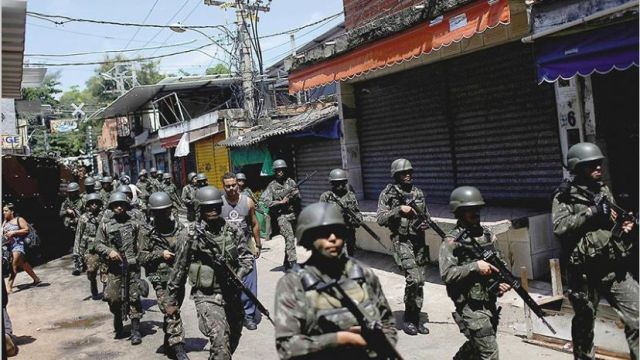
point(370, 330)
point(297, 186)
point(424, 217)
point(354, 216)
point(230, 275)
point(504, 275)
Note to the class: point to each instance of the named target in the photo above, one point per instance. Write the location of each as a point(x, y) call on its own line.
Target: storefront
point(212, 160)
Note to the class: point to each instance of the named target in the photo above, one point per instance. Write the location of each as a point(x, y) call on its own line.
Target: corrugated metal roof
point(135, 98)
point(13, 24)
point(281, 127)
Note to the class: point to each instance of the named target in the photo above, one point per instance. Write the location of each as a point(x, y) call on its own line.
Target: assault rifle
point(504, 275)
point(422, 215)
point(255, 201)
point(124, 287)
point(230, 275)
point(297, 186)
point(370, 330)
point(357, 221)
point(622, 214)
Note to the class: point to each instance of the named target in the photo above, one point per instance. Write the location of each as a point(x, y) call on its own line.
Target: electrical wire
point(143, 21)
point(89, 34)
point(294, 30)
point(110, 51)
point(124, 60)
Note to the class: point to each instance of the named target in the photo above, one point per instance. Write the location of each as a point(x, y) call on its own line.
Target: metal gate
point(321, 155)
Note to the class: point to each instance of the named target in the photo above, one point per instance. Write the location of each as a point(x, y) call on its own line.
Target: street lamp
point(179, 28)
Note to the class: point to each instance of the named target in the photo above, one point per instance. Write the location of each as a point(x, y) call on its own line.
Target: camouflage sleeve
point(450, 271)
point(180, 266)
point(386, 315)
point(245, 256)
point(565, 220)
point(268, 197)
point(386, 213)
point(102, 245)
point(78, 248)
point(324, 197)
point(356, 207)
point(292, 185)
point(186, 195)
point(63, 209)
point(289, 315)
point(147, 256)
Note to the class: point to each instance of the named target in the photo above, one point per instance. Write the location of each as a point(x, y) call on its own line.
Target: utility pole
point(119, 74)
point(243, 13)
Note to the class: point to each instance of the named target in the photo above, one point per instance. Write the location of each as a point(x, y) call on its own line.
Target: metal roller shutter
point(480, 120)
point(321, 155)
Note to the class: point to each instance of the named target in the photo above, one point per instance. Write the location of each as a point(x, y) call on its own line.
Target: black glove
point(602, 206)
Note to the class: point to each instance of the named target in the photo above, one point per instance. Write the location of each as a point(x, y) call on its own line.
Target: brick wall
point(358, 12)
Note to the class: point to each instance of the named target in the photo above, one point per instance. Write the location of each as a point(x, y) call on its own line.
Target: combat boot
point(117, 326)
point(94, 290)
point(410, 328)
point(178, 352)
point(423, 329)
point(136, 337)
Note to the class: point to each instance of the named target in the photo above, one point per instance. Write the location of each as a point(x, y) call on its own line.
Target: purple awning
point(600, 50)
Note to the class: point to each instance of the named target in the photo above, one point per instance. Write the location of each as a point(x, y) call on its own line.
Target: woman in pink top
point(14, 231)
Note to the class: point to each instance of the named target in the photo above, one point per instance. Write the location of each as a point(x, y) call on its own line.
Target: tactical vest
point(204, 275)
point(325, 312)
point(278, 192)
point(397, 197)
point(476, 287)
point(123, 236)
point(91, 230)
point(162, 271)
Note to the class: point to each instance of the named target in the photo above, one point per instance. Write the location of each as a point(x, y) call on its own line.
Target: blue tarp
point(328, 129)
point(600, 50)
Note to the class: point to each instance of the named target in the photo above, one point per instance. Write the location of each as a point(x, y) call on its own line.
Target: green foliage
point(45, 93)
point(218, 70)
point(149, 73)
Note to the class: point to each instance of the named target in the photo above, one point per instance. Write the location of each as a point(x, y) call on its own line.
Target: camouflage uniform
point(84, 245)
point(351, 202)
point(145, 190)
point(158, 270)
point(71, 222)
point(188, 193)
point(597, 268)
point(220, 312)
point(285, 214)
point(410, 250)
point(306, 319)
point(123, 237)
point(476, 313)
point(172, 190)
point(104, 195)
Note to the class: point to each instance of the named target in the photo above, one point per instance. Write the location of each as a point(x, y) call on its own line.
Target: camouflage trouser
point(621, 293)
point(220, 321)
point(112, 292)
point(410, 254)
point(479, 326)
point(191, 213)
point(172, 326)
point(285, 222)
point(92, 261)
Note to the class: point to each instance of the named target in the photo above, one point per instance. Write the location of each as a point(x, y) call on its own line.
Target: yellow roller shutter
point(212, 160)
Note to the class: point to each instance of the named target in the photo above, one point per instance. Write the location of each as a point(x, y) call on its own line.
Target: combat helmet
point(166, 176)
point(118, 197)
point(581, 153)
point(126, 189)
point(201, 177)
point(89, 181)
point(465, 196)
point(94, 197)
point(400, 165)
point(316, 215)
point(191, 175)
point(241, 176)
point(208, 195)
point(337, 175)
point(153, 170)
point(142, 172)
point(73, 186)
point(159, 200)
point(106, 180)
point(279, 164)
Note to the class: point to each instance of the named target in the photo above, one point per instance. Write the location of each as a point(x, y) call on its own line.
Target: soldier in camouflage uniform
point(157, 254)
point(468, 278)
point(188, 191)
point(84, 246)
point(310, 320)
point(144, 186)
point(70, 212)
point(340, 192)
point(153, 183)
point(598, 266)
point(107, 188)
point(283, 199)
point(220, 312)
point(201, 181)
point(135, 206)
point(407, 237)
point(241, 178)
point(117, 240)
point(89, 188)
point(169, 187)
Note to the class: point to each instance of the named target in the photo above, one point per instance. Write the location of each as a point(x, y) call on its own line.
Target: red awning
point(421, 39)
point(171, 141)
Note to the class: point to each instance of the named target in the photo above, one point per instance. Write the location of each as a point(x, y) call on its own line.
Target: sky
point(43, 37)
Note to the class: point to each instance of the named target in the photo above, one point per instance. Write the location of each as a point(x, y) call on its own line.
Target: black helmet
point(159, 200)
point(581, 153)
point(190, 176)
point(93, 197)
point(317, 215)
point(201, 177)
point(166, 176)
point(118, 197)
point(208, 195)
point(241, 176)
point(107, 179)
point(89, 181)
point(337, 175)
point(279, 164)
point(73, 186)
point(400, 165)
point(125, 189)
point(464, 196)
